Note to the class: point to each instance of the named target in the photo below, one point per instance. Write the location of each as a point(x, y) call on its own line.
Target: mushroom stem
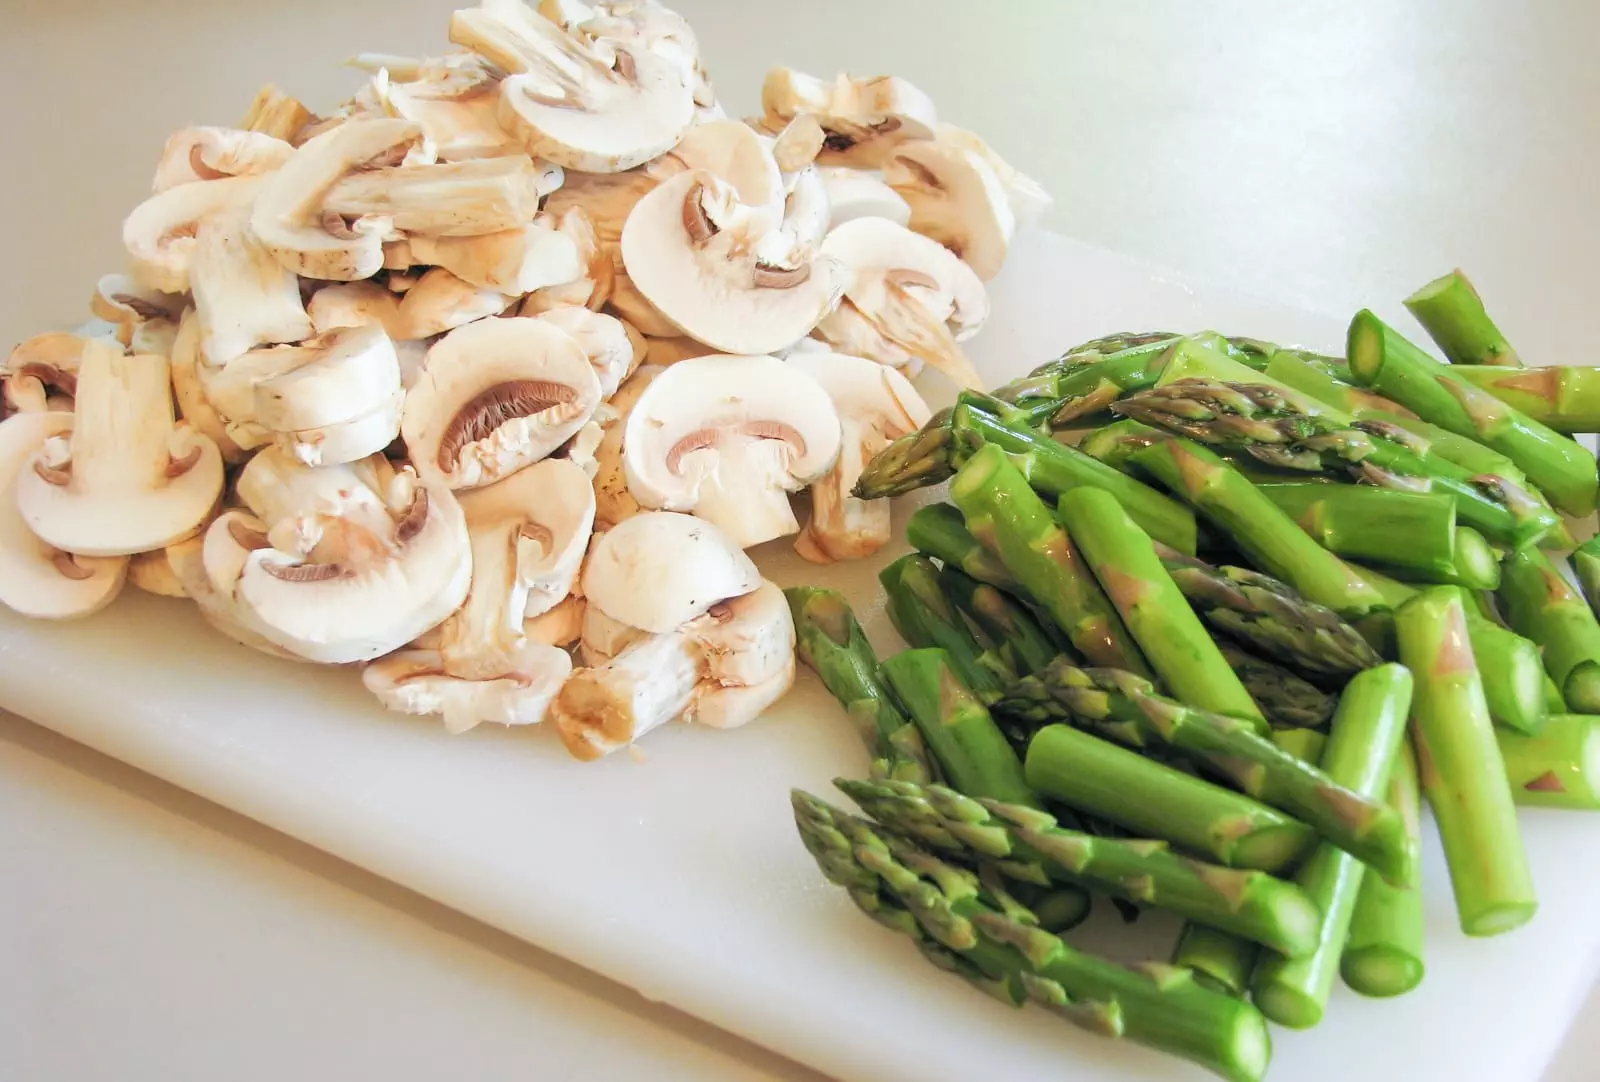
point(843, 527)
point(747, 497)
point(644, 687)
point(481, 639)
point(124, 420)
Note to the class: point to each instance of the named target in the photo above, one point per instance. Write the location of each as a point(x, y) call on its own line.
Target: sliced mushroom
point(864, 118)
point(454, 100)
point(460, 199)
point(345, 441)
point(656, 27)
point(732, 152)
point(152, 573)
point(243, 296)
point(604, 340)
point(41, 374)
point(1028, 198)
point(690, 247)
point(357, 304)
point(188, 389)
point(608, 198)
point(187, 560)
point(658, 571)
point(213, 153)
point(276, 114)
point(604, 638)
point(628, 302)
point(912, 291)
point(665, 351)
point(35, 579)
point(415, 682)
point(160, 233)
point(955, 199)
point(128, 480)
point(560, 626)
point(496, 396)
point(126, 305)
point(593, 288)
point(288, 216)
point(613, 502)
point(857, 193)
point(729, 438)
point(798, 144)
point(876, 405)
point(514, 262)
point(748, 646)
point(440, 302)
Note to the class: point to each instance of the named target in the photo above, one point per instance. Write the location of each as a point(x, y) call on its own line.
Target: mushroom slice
point(187, 561)
point(440, 301)
point(128, 480)
point(690, 247)
point(671, 350)
point(648, 684)
point(914, 292)
point(876, 405)
point(731, 151)
point(955, 199)
point(188, 389)
point(160, 233)
point(603, 638)
point(560, 626)
point(798, 144)
point(658, 571)
point(635, 307)
point(496, 396)
point(41, 373)
point(242, 295)
point(356, 304)
point(1028, 198)
point(857, 193)
point(729, 438)
point(746, 639)
point(613, 502)
point(346, 572)
point(288, 216)
point(604, 340)
point(275, 113)
point(864, 118)
point(513, 262)
point(415, 682)
point(326, 380)
point(152, 572)
point(345, 441)
point(655, 27)
point(35, 579)
point(729, 707)
point(460, 199)
point(213, 153)
point(125, 304)
point(608, 198)
point(453, 98)
point(593, 288)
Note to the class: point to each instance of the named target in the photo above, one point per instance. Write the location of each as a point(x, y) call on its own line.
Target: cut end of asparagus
point(1364, 345)
point(1251, 1046)
point(1287, 1006)
point(1381, 971)
point(1582, 688)
point(1499, 919)
point(1477, 564)
point(1272, 848)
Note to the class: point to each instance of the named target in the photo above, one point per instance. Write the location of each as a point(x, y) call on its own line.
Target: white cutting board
point(678, 872)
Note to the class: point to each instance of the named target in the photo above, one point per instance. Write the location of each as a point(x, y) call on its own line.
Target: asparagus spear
point(1566, 399)
point(1383, 955)
point(1008, 629)
point(1058, 908)
point(1460, 766)
point(1289, 703)
point(916, 460)
point(924, 618)
point(1126, 708)
point(1029, 845)
point(1367, 732)
point(1382, 359)
point(1105, 347)
point(1256, 526)
point(972, 752)
point(1329, 384)
point(974, 930)
point(830, 641)
point(1559, 768)
point(1008, 517)
point(1364, 523)
point(1307, 744)
point(1154, 800)
point(1114, 443)
point(938, 530)
point(1270, 616)
point(1540, 603)
point(1220, 961)
point(1151, 605)
point(1586, 562)
point(1092, 383)
point(1451, 311)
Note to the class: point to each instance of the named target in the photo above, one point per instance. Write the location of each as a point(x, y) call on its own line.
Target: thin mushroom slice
point(452, 98)
point(195, 154)
point(604, 340)
point(864, 118)
point(187, 560)
point(345, 441)
point(126, 305)
point(857, 193)
point(747, 639)
point(416, 682)
point(653, 26)
point(160, 232)
point(731, 706)
point(461, 199)
point(41, 374)
point(356, 304)
point(606, 199)
point(513, 262)
point(658, 571)
point(955, 199)
point(152, 573)
point(496, 396)
point(729, 438)
point(613, 502)
point(1028, 199)
point(731, 151)
point(188, 390)
point(593, 288)
point(440, 302)
point(35, 579)
point(243, 296)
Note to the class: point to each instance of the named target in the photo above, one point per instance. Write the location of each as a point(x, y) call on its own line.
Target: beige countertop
point(1331, 155)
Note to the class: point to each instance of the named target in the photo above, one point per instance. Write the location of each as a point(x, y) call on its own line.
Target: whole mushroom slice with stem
point(439, 302)
point(36, 579)
point(128, 480)
point(495, 396)
point(513, 262)
point(41, 374)
point(695, 252)
point(955, 199)
point(859, 193)
point(159, 234)
point(613, 502)
point(911, 292)
point(729, 438)
point(416, 682)
point(455, 199)
point(864, 118)
point(876, 405)
point(214, 153)
point(243, 297)
point(1028, 199)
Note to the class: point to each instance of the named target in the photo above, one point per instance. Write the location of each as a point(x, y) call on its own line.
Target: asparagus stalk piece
point(925, 619)
point(1126, 708)
point(916, 460)
point(1382, 359)
point(1475, 566)
point(1059, 908)
point(1307, 744)
point(1369, 524)
point(1008, 629)
point(1461, 769)
point(1566, 399)
point(1290, 704)
point(972, 752)
point(1105, 347)
point(1029, 845)
point(1329, 384)
point(1092, 383)
point(1559, 768)
point(1151, 605)
point(1009, 518)
point(1115, 443)
point(1586, 562)
point(938, 530)
point(1540, 603)
point(1220, 961)
point(1270, 616)
point(1383, 955)
point(1451, 311)
point(1367, 732)
point(974, 930)
point(831, 642)
point(1268, 536)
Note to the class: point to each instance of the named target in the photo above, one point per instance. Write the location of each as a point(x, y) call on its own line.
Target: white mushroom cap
point(658, 571)
point(747, 639)
point(152, 572)
point(731, 151)
point(440, 301)
point(689, 247)
point(213, 153)
point(415, 682)
point(729, 438)
point(495, 396)
point(160, 233)
point(35, 579)
point(955, 199)
point(514, 262)
point(864, 118)
point(1029, 200)
point(244, 297)
point(604, 340)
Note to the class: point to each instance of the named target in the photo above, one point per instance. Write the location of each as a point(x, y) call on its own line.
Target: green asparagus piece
point(1289, 703)
point(1559, 768)
point(1151, 605)
point(1091, 384)
point(1366, 734)
point(1566, 399)
point(830, 641)
point(1268, 536)
point(1154, 800)
point(1030, 846)
point(1009, 518)
point(925, 618)
point(1307, 744)
point(1382, 359)
point(1540, 603)
point(1377, 525)
point(1586, 562)
point(1330, 385)
point(1271, 617)
point(1451, 311)
point(1115, 443)
point(938, 530)
point(1461, 769)
point(1126, 708)
point(1105, 347)
point(1220, 961)
point(1059, 908)
point(971, 928)
point(1383, 955)
point(1475, 566)
point(1006, 627)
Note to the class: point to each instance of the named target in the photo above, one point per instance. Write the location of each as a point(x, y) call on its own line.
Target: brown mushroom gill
point(767, 276)
point(306, 572)
point(139, 306)
point(415, 516)
point(246, 538)
point(49, 375)
point(197, 164)
point(701, 438)
point(60, 476)
point(924, 175)
point(695, 221)
point(67, 565)
point(500, 404)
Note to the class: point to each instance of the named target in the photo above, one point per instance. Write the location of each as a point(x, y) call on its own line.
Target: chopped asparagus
point(1560, 767)
point(1383, 955)
point(1451, 311)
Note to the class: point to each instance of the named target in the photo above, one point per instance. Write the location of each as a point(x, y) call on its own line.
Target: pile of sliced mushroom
point(370, 392)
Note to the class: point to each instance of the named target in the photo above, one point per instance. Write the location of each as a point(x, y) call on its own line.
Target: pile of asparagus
point(1203, 624)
